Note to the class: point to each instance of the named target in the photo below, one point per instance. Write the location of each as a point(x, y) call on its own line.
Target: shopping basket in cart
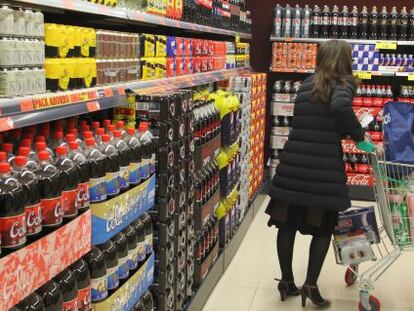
point(394, 192)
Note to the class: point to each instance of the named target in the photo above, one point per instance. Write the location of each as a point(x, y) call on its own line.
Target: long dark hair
point(333, 64)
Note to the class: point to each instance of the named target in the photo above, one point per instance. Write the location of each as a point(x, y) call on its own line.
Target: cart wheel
point(351, 276)
point(374, 304)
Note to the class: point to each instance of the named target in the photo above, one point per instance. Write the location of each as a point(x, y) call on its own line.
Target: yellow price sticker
point(363, 75)
point(237, 38)
point(386, 45)
point(411, 77)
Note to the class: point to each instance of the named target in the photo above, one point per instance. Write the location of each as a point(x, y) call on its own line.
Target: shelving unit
point(352, 41)
point(129, 17)
point(24, 111)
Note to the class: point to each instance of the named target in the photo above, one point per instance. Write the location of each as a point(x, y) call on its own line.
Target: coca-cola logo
point(83, 196)
point(171, 159)
point(34, 219)
point(58, 211)
point(172, 109)
point(349, 147)
point(359, 180)
point(182, 130)
point(114, 218)
point(18, 229)
point(171, 206)
point(170, 134)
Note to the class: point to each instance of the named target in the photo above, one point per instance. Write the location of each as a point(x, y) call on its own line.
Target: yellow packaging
point(157, 7)
point(160, 46)
point(60, 69)
point(147, 45)
point(148, 68)
point(160, 67)
point(57, 36)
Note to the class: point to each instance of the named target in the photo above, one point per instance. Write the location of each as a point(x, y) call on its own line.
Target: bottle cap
point(61, 150)
point(20, 160)
point(100, 131)
point(95, 124)
point(143, 127)
point(5, 168)
point(26, 142)
point(86, 128)
point(73, 131)
point(8, 147)
point(73, 145)
point(3, 156)
point(120, 125)
point(131, 131)
point(87, 134)
point(24, 151)
point(70, 137)
point(106, 122)
point(117, 133)
point(40, 146)
point(111, 128)
point(90, 142)
point(106, 137)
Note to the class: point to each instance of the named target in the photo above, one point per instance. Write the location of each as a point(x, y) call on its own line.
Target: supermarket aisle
point(248, 283)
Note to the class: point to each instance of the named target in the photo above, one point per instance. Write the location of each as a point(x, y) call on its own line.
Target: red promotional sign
point(25, 270)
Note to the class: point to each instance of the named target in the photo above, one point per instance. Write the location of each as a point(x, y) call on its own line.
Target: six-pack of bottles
point(345, 23)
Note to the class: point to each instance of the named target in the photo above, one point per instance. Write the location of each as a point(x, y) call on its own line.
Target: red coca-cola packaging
point(179, 66)
point(188, 47)
point(170, 11)
point(210, 63)
point(197, 64)
point(188, 65)
point(12, 211)
point(360, 180)
point(180, 46)
point(204, 63)
point(171, 67)
point(197, 47)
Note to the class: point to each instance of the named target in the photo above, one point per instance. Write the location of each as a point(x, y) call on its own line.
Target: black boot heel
point(312, 292)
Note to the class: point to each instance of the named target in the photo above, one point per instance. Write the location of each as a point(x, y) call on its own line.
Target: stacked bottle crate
point(283, 104)
point(369, 100)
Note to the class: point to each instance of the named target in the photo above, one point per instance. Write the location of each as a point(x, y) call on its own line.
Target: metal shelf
point(24, 111)
point(372, 73)
point(352, 41)
point(128, 15)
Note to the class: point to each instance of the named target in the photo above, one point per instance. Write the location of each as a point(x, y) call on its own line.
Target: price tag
point(364, 75)
point(237, 38)
point(411, 77)
point(386, 45)
point(69, 4)
point(121, 90)
point(6, 124)
point(93, 106)
point(26, 105)
point(108, 92)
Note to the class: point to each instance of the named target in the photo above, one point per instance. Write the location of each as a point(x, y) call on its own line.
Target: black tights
point(318, 249)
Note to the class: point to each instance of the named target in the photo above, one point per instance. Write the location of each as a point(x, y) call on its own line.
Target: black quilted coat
point(311, 172)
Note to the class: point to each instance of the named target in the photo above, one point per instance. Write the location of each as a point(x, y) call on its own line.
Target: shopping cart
point(394, 192)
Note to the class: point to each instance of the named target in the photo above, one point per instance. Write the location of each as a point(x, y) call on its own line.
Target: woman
point(309, 188)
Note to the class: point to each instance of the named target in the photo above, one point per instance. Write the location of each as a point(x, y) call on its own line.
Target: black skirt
point(309, 221)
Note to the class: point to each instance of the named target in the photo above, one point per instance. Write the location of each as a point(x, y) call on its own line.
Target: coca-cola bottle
point(403, 25)
point(296, 22)
point(51, 296)
point(69, 289)
point(393, 25)
point(83, 283)
point(121, 243)
point(12, 211)
point(140, 231)
point(306, 20)
point(30, 184)
point(69, 177)
point(334, 29)
point(31, 303)
point(111, 258)
point(326, 19)
point(411, 25)
point(278, 20)
point(97, 267)
point(373, 24)
point(354, 23)
point(344, 22)
point(363, 23)
point(384, 23)
point(287, 22)
point(316, 22)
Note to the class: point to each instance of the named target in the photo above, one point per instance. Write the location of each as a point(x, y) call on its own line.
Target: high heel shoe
point(312, 292)
point(287, 288)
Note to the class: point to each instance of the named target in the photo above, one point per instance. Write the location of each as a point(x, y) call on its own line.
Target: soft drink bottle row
point(112, 263)
point(406, 93)
point(373, 95)
point(397, 60)
point(287, 87)
point(206, 120)
point(48, 180)
point(207, 182)
point(206, 240)
point(346, 23)
point(281, 121)
point(356, 163)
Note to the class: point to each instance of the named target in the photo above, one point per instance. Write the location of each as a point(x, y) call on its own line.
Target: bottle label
point(141, 251)
point(145, 168)
point(84, 299)
point(33, 219)
point(134, 173)
point(112, 183)
point(70, 305)
point(97, 189)
point(83, 196)
point(113, 278)
point(148, 244)
point(13, 230)
point(52, 211)
point(132, 259)
point(123, 270)
point(70, 208)
point(99, 288)
point(124, 176)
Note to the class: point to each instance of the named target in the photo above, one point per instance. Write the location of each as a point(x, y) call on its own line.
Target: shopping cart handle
point(366, 146)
